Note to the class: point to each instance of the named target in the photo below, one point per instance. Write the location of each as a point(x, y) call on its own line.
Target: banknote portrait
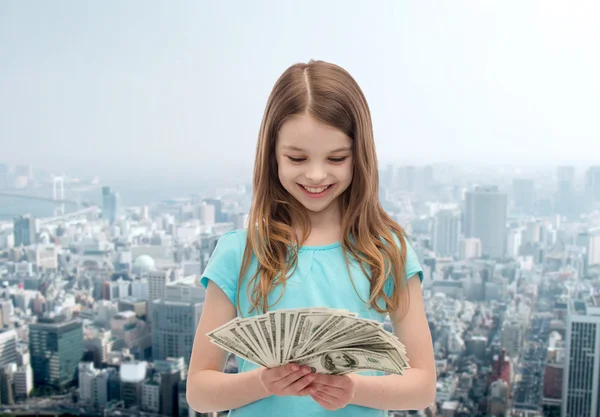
point(338, 361)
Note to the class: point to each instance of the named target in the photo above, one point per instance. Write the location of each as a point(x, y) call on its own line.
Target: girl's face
point(314, 161)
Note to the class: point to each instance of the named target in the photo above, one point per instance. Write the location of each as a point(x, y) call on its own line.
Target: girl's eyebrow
point(295, 148)
point(343, 148)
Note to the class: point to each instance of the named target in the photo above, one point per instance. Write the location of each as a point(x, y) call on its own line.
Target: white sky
point(146, 85)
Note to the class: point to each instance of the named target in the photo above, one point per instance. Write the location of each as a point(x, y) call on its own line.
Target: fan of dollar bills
point(330, 341)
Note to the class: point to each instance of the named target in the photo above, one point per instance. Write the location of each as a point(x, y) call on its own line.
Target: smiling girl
point(317, 236)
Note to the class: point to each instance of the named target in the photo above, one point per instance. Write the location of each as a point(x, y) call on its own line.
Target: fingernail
point(305, 370)
point(295, 367)
point(311, 377)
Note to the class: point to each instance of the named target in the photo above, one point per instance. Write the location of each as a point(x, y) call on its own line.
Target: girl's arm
point(208, 388)
point(416, 389)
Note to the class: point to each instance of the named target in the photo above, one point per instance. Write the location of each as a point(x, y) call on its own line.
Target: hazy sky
point(155, 85)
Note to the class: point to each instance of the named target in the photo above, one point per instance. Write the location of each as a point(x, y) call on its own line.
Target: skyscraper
point(8, 347)
point(592, 184)
point(56, 347)
point(589, 240)
point(523, 194)
point(174, 320)
point(565, 190)
point(110, 204)
point(446, 232)
point(207, 214)
point(485, 218)
point(581, 380)
point(171, 372)
point(220, 217)
point(514, 239)
point(24, 230)
point(469, 248)
point(157, 282)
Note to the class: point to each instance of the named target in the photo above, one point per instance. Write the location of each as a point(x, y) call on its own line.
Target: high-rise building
point(8, 347)
point(24, 229)
point(581, 379)
point(533, 232)
point(428, 178)
point(7, 395)
point(174, 320)
point(151, 394)
point(589, 240)
point(565, 190)
point(446, 232)
point(207, 214)
point(171, 373)
point(389, 177)
point(100, 388)
point(113, 381)
point(523, 194)
point(592, 184)
point(185, 410)
point(553, 377)
point(85, 375)
point(22, 381)
point(485, 218)
point(409, 177)
point(220, 217)
point(132, 375)
point(110, 204)
point(6, 312)
point(240, 220)
point(56, 347)
point(514, 239)
point(157, 282)
point(498, 398)
point(470, 248)
point(512, 337)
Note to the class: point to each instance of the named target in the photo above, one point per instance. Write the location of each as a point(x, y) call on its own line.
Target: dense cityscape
point(100, 299)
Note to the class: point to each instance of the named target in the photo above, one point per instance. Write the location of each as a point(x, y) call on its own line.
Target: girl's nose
point(316, 174)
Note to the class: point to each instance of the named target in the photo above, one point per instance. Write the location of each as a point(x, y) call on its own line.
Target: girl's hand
point(332, 391)
point(289, 379)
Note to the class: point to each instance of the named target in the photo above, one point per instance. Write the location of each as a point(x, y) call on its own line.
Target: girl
point(317, 236)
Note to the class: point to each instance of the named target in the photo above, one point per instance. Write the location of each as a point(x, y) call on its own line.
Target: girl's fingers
point(332, 391)
point(299, 385)
point(324, 400)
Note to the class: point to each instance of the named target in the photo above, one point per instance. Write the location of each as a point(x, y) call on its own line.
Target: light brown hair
point(330, 94)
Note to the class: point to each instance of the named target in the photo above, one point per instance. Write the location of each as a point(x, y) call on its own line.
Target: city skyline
point(506, 271)
point(525, 185)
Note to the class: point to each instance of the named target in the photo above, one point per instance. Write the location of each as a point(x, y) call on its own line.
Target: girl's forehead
point(305, 134)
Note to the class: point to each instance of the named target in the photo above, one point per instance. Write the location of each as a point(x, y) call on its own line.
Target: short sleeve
point(411, 266)
point(223, 267)
point(412, 262)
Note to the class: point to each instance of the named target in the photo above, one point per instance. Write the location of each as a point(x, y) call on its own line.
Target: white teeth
point(315, 190)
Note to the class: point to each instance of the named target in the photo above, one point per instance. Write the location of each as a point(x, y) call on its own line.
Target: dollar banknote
point(329, 341)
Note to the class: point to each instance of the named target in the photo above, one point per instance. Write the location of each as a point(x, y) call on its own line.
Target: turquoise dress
point(321, 279)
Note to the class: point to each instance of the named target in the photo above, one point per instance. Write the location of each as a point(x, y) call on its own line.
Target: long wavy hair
point(330, 94)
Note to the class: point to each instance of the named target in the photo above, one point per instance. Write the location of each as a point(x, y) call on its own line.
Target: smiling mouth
point(315, 190)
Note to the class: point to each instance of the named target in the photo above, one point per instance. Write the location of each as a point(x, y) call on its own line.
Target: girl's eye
point(338, 160)
point(291, 158)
